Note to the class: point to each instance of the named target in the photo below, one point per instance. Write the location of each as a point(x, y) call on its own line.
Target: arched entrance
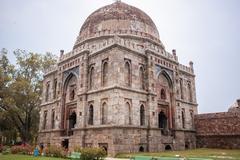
point(104, 146)
point(69, 95)
point(168, 148)
point(165, 97)
point(141, 149)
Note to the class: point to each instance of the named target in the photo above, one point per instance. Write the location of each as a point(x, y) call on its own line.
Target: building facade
point(119, 88)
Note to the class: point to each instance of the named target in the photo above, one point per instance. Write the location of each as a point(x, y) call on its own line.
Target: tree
point(20, 92)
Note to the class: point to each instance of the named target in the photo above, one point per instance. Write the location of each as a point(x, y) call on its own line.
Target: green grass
point(25, 157)
point(216, 154)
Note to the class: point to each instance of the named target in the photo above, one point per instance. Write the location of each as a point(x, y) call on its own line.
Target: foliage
point(91, 153)
point(20, 91)
point(4, 149)
point(55, 151)
point(26, 157)
point(77, 149)
point(22, 149)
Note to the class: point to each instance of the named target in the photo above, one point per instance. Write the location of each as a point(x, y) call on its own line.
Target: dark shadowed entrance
point(162, 120)
point(72, 120)
point(65, 143)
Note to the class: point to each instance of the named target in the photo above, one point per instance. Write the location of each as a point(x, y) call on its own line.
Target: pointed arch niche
point(164, 90)
point(127, 73)
point(69, 99)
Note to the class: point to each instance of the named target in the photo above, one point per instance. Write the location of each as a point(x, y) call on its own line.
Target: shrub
point(55, 151)
point(4, 149)
point(92, 153)
point(77, 149)
point(23, 149)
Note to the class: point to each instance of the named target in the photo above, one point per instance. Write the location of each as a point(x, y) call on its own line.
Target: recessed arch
point(90, 115)
point(183, 118)
point(91, 77)
point(47, 93)
point(181, 88)
point(190, 91)
point(105, 73)
point(127, 73)
point(68, 94)
point(141, 77)
point(104, 113)
point(142, 115)
point(166, 75)
point(128, 118)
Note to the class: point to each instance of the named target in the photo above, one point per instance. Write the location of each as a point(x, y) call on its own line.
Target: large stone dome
point(118, 16)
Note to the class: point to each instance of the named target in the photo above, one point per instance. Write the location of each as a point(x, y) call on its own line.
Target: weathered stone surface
point(120, 90)
point(218, 130)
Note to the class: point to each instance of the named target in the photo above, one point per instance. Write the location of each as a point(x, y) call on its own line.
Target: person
point(36, 152)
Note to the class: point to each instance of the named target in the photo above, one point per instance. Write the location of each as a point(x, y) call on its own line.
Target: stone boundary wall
point(218, 130)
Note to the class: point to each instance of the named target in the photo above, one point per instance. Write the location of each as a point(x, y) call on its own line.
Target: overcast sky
point(204, 31)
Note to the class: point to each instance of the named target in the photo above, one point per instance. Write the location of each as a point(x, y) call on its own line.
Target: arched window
point(142, 116)
point(105, 73)
point(141, 78)
point(47, 91)
point(181, 88)
point(127, 73)
point(190, 92)
point(55, 89)
point(91, 78)
point(44, 120)
point(53, 119)
point(104, 113)
point(162, 120)
point(163, 94)
point(183, 118)
point(128, 119)
point(192, 118)
point(90, 115)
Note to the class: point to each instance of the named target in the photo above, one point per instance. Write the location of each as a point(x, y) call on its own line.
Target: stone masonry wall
point(218, 130)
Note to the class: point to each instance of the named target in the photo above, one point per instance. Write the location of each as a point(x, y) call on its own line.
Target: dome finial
point(117, 0)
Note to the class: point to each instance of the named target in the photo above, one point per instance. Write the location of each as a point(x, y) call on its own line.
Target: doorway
point(72, 120)
point(162, 120)
point(65, 143)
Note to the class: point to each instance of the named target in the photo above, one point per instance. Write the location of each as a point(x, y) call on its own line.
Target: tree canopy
point(20, 92)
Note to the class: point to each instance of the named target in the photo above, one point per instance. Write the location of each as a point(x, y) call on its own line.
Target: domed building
point(235, 108)
point(119, 88)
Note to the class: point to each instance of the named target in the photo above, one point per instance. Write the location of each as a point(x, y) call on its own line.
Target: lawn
point(25, 157)
point(216, 154)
